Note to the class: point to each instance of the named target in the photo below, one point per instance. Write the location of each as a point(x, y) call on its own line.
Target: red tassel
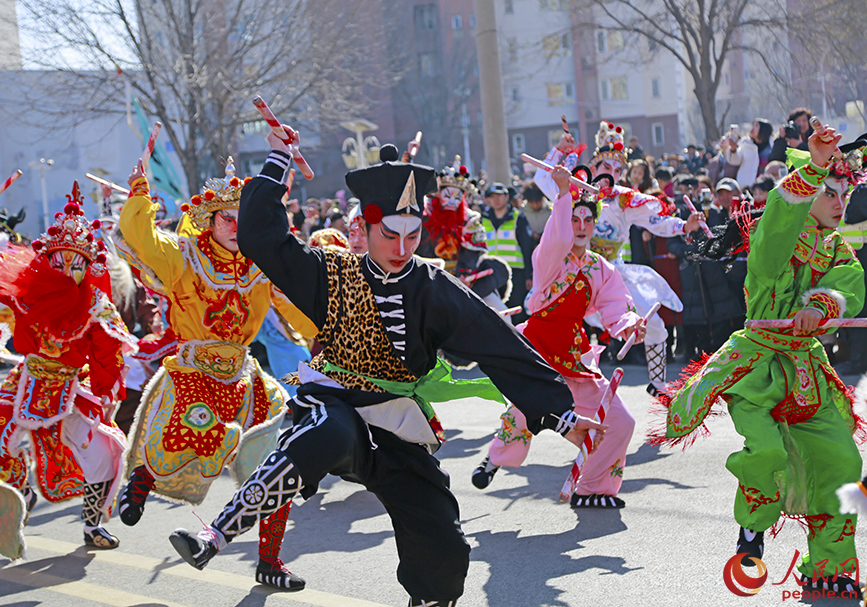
point(656, 432)
point(811, 524)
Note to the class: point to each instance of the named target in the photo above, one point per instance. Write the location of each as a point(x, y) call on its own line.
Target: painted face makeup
point(403, 227)
point(584, 217)
point(451, 197)
point(583, 223)
point(613, 168)
point(828, 207)
point(225, 230)
point(70, 263)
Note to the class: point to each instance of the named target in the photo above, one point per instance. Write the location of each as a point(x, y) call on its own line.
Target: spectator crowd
point(735, 174)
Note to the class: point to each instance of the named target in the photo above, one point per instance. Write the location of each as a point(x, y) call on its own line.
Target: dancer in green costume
point(785, 399)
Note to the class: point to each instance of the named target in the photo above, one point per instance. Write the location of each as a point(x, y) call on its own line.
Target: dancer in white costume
point(622, 208)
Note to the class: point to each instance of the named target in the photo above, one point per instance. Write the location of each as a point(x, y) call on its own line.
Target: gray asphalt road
point(667, 547)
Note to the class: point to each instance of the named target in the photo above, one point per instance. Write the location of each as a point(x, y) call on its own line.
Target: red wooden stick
point(544, 165)
point(702, 222)
point(152, 141)
point(788, 323)
point(631, 341)
point(289, 137)
point(820, 129)
point(572, 481)
point(471, 278)
point(110, 184)
point(10, 181)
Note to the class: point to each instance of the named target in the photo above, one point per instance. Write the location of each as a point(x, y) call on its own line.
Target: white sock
point(212, 533)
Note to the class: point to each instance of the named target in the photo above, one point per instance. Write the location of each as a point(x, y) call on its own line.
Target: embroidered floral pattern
point(848, 529)
point(509, 433)
point(755, 498)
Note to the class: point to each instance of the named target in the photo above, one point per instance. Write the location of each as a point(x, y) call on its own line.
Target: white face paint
point(582, 225)
point(451, 197)
point(403, 226)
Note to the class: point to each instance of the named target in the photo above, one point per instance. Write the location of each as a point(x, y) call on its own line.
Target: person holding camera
point(789, 137)
point(751, 153)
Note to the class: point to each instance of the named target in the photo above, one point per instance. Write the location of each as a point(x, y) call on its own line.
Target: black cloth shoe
point(839, 586)
point(132, 500)
point(29, 500)
point(422, 603)
point(754, 548)
point(482, 476)
point(653, 391)
point(100, 538)
point(195, 550)
point(276, 575)
point(596, 500)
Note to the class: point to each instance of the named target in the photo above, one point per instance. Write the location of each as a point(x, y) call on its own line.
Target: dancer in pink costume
point(570, 282)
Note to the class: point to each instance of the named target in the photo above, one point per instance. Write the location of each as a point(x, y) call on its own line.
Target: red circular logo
point(738, 581)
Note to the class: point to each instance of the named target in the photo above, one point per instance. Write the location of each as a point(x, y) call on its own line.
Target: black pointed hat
point(391, 187)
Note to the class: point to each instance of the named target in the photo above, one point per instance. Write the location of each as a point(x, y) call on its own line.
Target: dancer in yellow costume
point(210, 406)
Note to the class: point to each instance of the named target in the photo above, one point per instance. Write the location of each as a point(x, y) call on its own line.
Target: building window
point(512, 45)
point(472, 21)
point(518, 143)
point(425, 16)
point(609, 41)
point(554, 136)
point(457, 22)
point(601, 43)
point(516, 95)
point(654, 88)
point(658, 133)
point(727, 78)
point(560, 92)
point(556, 44)
point(510, 7)
point(614, 89)
point(428, 64)
point(555, 93)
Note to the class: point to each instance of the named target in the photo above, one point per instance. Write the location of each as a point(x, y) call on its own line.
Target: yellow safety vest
point(503, 241)
point(855, 234)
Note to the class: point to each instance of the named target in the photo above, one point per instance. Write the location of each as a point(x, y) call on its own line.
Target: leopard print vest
point(353, 336)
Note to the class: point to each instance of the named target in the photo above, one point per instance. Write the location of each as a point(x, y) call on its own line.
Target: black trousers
point(519, 293)
point(331, 438)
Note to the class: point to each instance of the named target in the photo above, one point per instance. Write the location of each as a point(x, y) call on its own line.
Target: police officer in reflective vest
point(510, 239)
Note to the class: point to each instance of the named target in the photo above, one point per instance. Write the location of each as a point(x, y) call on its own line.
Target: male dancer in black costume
point(366, 415)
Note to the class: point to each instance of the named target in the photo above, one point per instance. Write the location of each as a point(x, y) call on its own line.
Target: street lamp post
point(465, 131)
point(42, 166)
point(360, 152)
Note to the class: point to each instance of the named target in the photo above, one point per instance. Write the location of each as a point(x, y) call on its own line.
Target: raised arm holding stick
point(782, 394)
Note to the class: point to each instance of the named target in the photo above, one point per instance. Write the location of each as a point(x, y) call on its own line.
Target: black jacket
point(709, 291)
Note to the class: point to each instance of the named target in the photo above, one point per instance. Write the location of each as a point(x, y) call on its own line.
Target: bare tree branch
point(195, 65)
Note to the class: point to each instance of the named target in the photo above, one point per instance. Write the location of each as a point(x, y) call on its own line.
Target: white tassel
point(852, 499)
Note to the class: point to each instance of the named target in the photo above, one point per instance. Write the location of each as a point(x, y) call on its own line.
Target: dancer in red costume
point(62, 396)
